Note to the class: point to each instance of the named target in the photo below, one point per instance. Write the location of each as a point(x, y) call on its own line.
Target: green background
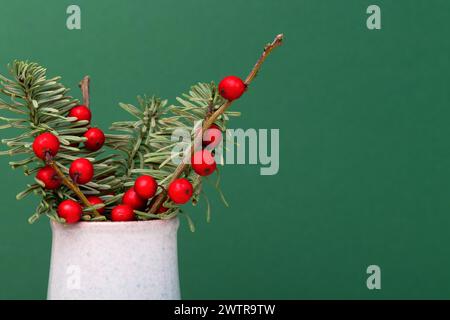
point(364, 138)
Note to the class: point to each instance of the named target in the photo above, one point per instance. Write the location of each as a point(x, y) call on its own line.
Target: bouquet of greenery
point(81, 173)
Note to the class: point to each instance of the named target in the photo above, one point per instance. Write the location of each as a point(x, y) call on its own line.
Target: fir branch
point(148, 143)
point(44, 105)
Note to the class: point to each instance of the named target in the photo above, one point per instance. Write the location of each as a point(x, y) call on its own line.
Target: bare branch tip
point(277, 41)
point(279, 38)
point(85, 79)
point(84, 86)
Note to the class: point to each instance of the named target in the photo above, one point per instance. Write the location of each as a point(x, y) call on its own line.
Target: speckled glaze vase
point(114, 260)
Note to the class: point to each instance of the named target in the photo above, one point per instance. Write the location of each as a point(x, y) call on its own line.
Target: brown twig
point(210, 109)
point(213, 117)
point(72, 186)
point(84, 86)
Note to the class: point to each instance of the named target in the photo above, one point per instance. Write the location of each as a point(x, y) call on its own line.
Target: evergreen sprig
point(41, 105)
point(147, 141)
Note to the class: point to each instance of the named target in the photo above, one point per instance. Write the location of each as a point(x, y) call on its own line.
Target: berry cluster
point(81, 171)
point(140, 196)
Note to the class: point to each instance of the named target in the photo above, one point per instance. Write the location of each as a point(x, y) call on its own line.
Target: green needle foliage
point(141, 145)
point(41, 105)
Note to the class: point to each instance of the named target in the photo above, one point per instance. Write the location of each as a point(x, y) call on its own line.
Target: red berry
point(81, 171)
point(95, 139)
point(70, 210)
point(145, 186)
point(45, 144)
point(162, 209)
point(81, 113)
point(180, 191)
point(231, 87)
point(122, 212)
point(203, 162)
point(49, 177)
point(132, 199)
point(93, 200)
point(212, 136)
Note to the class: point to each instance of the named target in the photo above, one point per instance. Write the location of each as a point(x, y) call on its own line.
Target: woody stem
point(71, 185)
point(84, 86)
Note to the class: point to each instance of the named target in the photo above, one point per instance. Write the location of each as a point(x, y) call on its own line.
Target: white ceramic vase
point(114, 260)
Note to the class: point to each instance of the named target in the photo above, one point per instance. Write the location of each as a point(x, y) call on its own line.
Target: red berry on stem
point(232, 87)
point(145, 186)
point(49, 177)
point(212, 136)
point(70, 210)
point(132, 199)
point(95, 139)
point(45, 144)
point(203, 163)
point(162, 209)
point(180, 191)
point(122, 212)
point(81, 112)
point(81, 171)
point(93, 200)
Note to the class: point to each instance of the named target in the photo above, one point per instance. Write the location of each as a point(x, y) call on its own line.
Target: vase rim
point(114, 224)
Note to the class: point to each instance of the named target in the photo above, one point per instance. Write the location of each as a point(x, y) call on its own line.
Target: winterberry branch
point(209, 120)
point(84, 86)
